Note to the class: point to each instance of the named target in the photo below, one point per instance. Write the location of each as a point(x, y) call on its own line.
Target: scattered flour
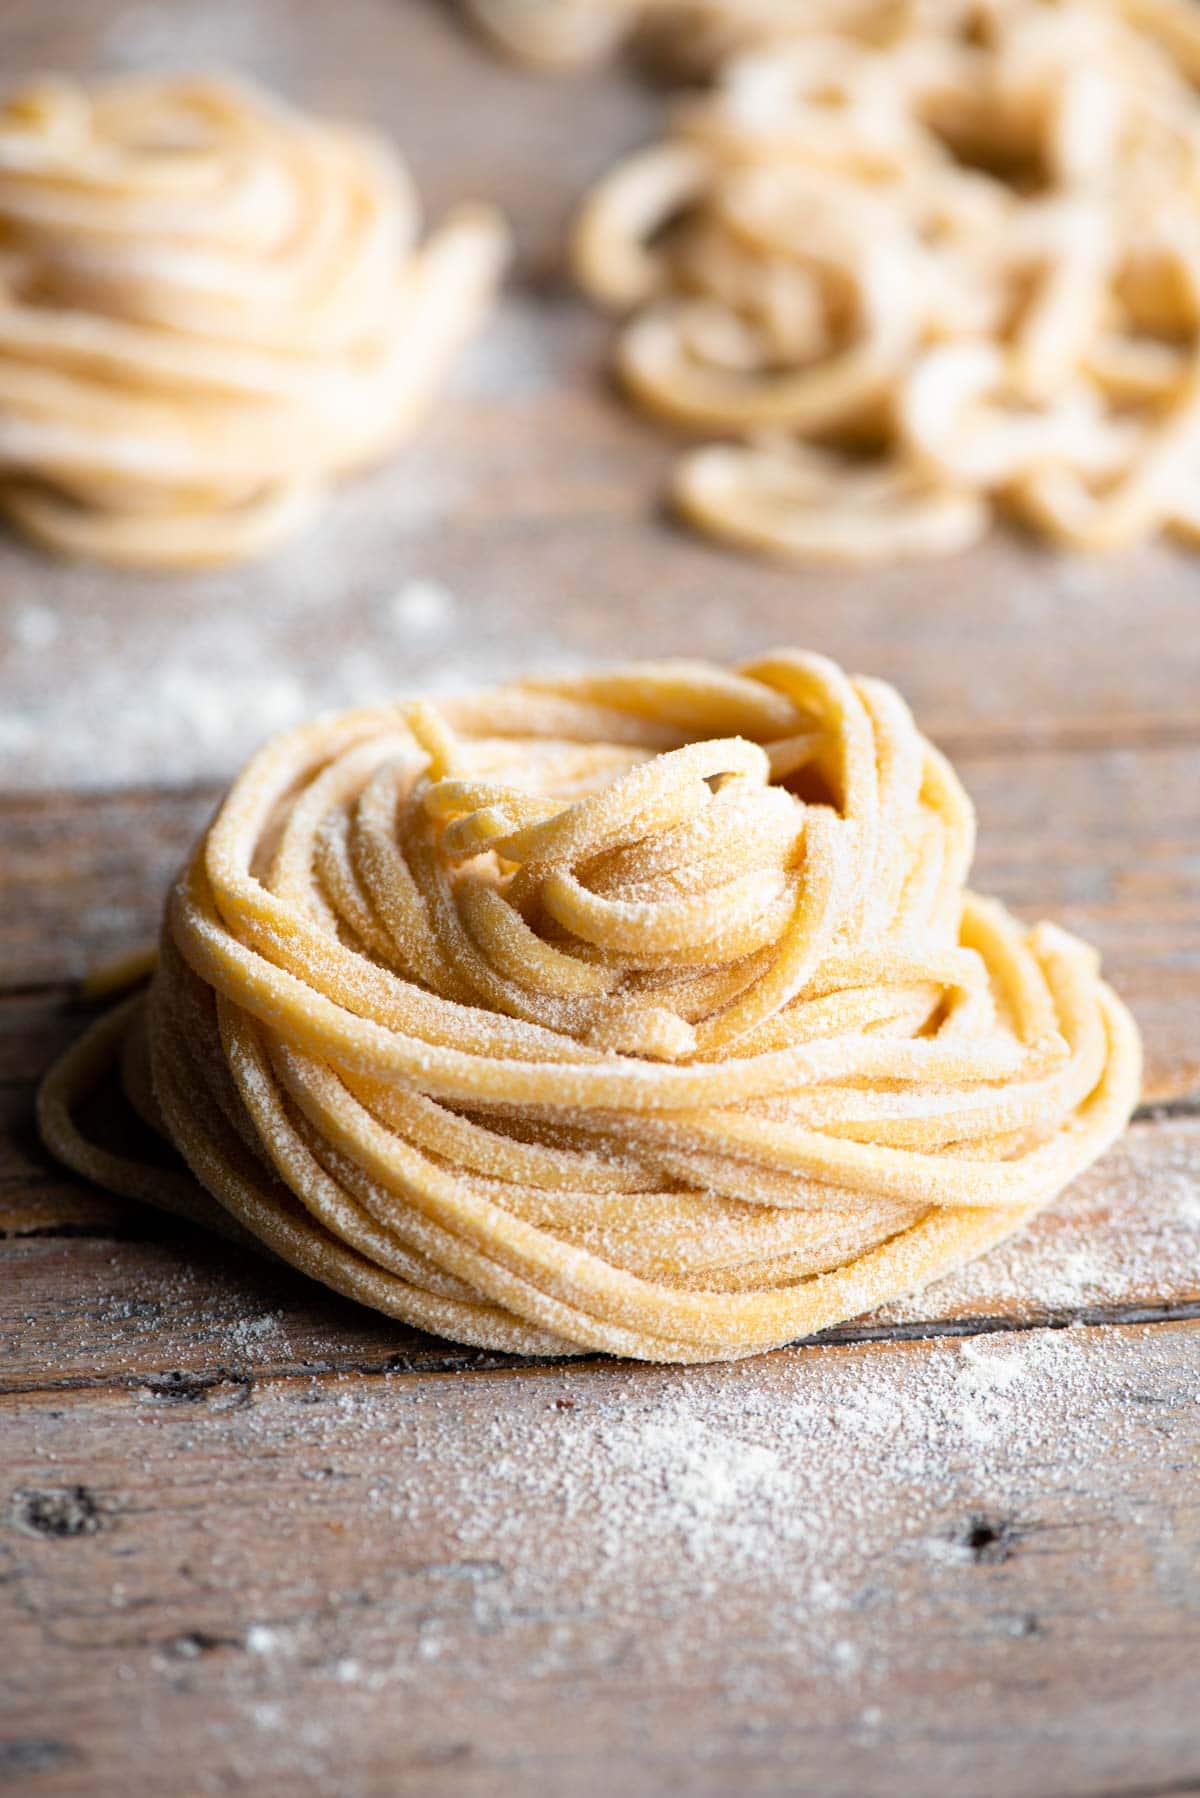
point(821, 1538)
point(988, 1368)
point(253, 1332)
point(1128, 1230)
point(189, 698)
point(776, 1503)
point(421, 608)
point(34, 627)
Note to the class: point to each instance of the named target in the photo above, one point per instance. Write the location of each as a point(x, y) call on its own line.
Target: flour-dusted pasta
point(211, 304)
point(957, 241)
point(644, 1011)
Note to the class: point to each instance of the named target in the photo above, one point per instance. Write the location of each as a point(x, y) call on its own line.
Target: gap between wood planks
point(1184, 1788)
point(176, 1386)
point(233, 1382)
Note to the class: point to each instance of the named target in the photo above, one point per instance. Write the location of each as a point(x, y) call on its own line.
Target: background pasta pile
point(908, 261)
point(209, 305)
point(644, 1011)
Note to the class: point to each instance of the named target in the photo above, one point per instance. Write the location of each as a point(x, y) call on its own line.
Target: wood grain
point(532, 502)
point(83, 879)
point(120, 1296)
point(256, 1539)
point(868, 1569)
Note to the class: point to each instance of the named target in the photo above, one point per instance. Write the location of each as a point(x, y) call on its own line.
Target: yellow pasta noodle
point(210, 305)
point(908, 263)
point(645, 1011)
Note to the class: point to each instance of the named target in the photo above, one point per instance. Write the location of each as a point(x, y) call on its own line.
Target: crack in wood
point(54, 1511)
point(232, 1387)
point(1162, 1111)
point(1184, 1788)
point(23, 1757)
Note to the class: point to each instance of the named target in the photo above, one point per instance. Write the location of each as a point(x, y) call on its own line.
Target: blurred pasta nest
point(644, 1011)
point(211, 305)
point(910, 262)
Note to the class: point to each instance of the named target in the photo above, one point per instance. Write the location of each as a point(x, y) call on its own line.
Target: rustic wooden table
point(257, 1539)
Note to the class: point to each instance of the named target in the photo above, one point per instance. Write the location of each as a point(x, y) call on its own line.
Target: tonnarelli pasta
point(210, 305)
point(933, 259)
point(644, 1011)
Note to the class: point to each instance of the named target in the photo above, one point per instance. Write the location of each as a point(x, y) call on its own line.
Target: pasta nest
point(644, 1012)
point(210, 304)
point(916, 263)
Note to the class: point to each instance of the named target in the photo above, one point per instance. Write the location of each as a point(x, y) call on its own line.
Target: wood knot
point(990, 1539)
point(55, 1511)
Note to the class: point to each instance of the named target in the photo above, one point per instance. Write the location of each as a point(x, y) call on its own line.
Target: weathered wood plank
point(1108, 843)
point(858, 1570)
point(36, 1194)
point(179, 1311)
point(894, 1568)
point(83, 878)
point(141, 1299)
point(524, 527)
point(1102, 840)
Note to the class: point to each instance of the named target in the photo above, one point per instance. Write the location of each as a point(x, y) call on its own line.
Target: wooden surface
point(255, 1538)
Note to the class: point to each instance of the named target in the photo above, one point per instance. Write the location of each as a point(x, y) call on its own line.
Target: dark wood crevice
point(1162, 1111)
point(181, 1386)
